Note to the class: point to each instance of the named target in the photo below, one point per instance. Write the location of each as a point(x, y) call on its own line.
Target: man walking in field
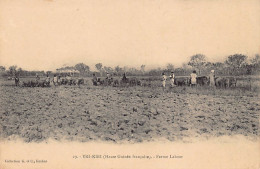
point(94, 80)
point(47, 80)
point(16, 80)
point(172, 76)
point(55, 80)
point(212, 82)
point(193, 78)
point(164, 78)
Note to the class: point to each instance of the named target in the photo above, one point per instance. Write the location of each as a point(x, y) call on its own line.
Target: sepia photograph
point(129, 84)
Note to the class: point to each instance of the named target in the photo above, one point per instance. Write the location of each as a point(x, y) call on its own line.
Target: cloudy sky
point(46, 34)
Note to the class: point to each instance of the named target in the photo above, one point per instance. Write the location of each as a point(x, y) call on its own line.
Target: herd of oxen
point(221, 82)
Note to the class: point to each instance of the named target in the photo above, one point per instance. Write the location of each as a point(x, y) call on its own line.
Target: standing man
point(172, 76)
point(164, 78)
point(94, 80)
point(55, 80)
point(48, 80)
point(16, 80)
point(37, 80)
point(212, 82)
point(37, 77)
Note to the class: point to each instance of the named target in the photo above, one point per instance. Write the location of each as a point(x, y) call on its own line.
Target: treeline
point(234, 65)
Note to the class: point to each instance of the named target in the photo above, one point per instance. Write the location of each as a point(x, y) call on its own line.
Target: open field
point(132, 114)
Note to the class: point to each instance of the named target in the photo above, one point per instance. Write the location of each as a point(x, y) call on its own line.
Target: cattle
point(182, 81)
point(124, 82)
point(134, 82)
point(100, 81)
point(80, 81)
point(32, 83)
point(224, 82)
point(106, 81)
point(115, 83)
point(202, 80)
point(232, 82)
point(63, 81)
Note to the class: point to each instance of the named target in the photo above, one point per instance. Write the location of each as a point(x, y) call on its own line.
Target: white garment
point(55, 79)
point(193, 78)
point(164, 78)
point(172, 79)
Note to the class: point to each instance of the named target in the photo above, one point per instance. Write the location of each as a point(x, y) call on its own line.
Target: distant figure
point(108, 76)
point(68, 80)
point(68, 77)
point(37, 78)
point(59, 80)
point(124, 79)
point(94, 79)
point(164, 78)
point(212, 82)
point(193, 78)
point(172, 76)
point(109, 79)
point(48, 79)
point(55, 80)
point(16, 80)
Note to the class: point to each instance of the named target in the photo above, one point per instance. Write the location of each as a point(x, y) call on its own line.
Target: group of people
point(95, 80)
point(57, 80)
point(193, 79)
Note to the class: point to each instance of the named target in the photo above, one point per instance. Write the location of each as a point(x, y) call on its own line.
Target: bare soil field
point(133, 114)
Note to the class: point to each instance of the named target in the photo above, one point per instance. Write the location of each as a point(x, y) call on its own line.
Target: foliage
point(170, 67)
point(82, 68)
point(197, 61)
point(236, 60)
point(236, 64)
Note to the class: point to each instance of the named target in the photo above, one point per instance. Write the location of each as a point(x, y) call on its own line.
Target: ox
point(182, 81)
point(202, 80)
point(225, 82)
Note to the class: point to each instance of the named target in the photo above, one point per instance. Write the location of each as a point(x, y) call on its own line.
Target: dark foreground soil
point(133, 114)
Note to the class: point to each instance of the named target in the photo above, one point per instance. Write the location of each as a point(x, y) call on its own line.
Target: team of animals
point(222, 82)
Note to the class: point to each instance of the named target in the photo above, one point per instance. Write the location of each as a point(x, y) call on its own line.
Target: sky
point(47, 34)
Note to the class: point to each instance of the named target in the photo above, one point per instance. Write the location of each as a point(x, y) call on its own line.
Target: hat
point(212, 71)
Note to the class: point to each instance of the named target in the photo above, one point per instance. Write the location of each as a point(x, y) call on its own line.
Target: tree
point(133, 71)
point(82, 68)
point(108, 69)
point(99, 67)
point(118, 70)
point(256, 60)
point(19, 71)
point(170, 67)
point(2, 68)
point(49, 72)
point(236, 61)
point(12, 70)
point(255, 64)
point(142, 68)
point(197, 61)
